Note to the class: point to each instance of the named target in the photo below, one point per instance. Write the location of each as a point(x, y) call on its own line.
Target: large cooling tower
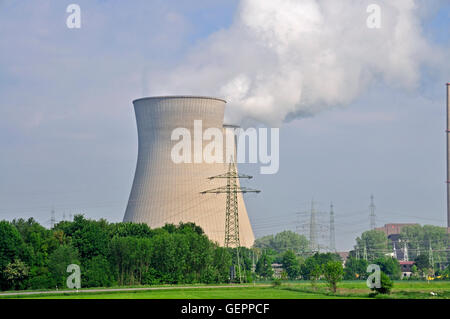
point(166, 192)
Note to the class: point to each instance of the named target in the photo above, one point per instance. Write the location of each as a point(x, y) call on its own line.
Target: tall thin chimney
point(448, 155)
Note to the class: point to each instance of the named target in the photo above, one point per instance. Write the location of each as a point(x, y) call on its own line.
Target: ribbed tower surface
point(166, 192)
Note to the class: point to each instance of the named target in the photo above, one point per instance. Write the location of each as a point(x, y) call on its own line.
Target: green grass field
point(288, 290)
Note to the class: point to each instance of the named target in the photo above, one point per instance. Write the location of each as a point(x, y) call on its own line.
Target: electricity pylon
point(372, 213)
point(314, 246)
point(232, 211)
point(405, 251)
point(52, 218)
point(332, 233)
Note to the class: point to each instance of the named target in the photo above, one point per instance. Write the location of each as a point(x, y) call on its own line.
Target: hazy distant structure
point(448, 156)
point(314, 246)
point(372, 213)
point(332, 231)
point(166, 192)
point(318, 227)
point(52, 218)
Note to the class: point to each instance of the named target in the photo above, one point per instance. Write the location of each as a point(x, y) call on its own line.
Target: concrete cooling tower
point(166, 192)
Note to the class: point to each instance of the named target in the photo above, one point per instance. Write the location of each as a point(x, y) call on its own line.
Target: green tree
point(445, 275)
point(39, 241)
point(91, 238)
point(374, 243)
point(131, 258)
point(222, 262)
point(422, 262)
point(128, 229)
point(315, 273)
point(355, 268)
point(15, 273)
point(333, 273)
point(423, 265)
point(264, 267)
point(281, 242)
point(97, 273)
point(291, 265)
point(40, 278)
point(312, 267)
point(414, 272)
point(420, 238)
point(390, 266)
point(11, 247)
point(59, 259)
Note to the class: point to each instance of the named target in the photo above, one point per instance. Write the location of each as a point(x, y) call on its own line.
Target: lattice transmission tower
point(52, 218)
point(372, 213)
point(314, 245)
point(317, 226)
point(332, 231)
point(232, 209)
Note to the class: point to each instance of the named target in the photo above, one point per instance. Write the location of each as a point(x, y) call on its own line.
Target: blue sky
point(69, 141)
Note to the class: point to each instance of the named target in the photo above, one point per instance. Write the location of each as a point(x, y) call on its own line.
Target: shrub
point(333, 273)
point(386, 285)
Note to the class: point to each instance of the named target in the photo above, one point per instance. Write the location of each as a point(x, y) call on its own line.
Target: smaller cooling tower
point(165, 192)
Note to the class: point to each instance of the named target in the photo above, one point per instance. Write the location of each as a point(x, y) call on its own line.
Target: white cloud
point(285, 57)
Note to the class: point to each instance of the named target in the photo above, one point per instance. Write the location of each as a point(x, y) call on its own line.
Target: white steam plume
point(284, 58)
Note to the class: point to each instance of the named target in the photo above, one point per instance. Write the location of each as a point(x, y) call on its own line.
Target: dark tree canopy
point(281, 242)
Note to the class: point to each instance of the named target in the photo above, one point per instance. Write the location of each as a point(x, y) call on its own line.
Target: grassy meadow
point(287, 290)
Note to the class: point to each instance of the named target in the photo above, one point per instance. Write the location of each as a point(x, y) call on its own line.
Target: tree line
point(121, 254)
point(110, 254)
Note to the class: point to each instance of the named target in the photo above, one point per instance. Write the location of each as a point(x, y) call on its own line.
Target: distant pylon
point(232, 212)
point(313, 229)
point(52, 218)
point(332, 233)
point(405, 251)
point(372, 213)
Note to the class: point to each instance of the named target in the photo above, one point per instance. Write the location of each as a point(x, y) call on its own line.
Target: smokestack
point(448, 156)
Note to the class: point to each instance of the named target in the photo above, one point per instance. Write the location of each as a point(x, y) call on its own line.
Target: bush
point(386, 285)
point(333, 273)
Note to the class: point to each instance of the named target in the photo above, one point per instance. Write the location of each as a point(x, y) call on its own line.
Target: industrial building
point(167, 192)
